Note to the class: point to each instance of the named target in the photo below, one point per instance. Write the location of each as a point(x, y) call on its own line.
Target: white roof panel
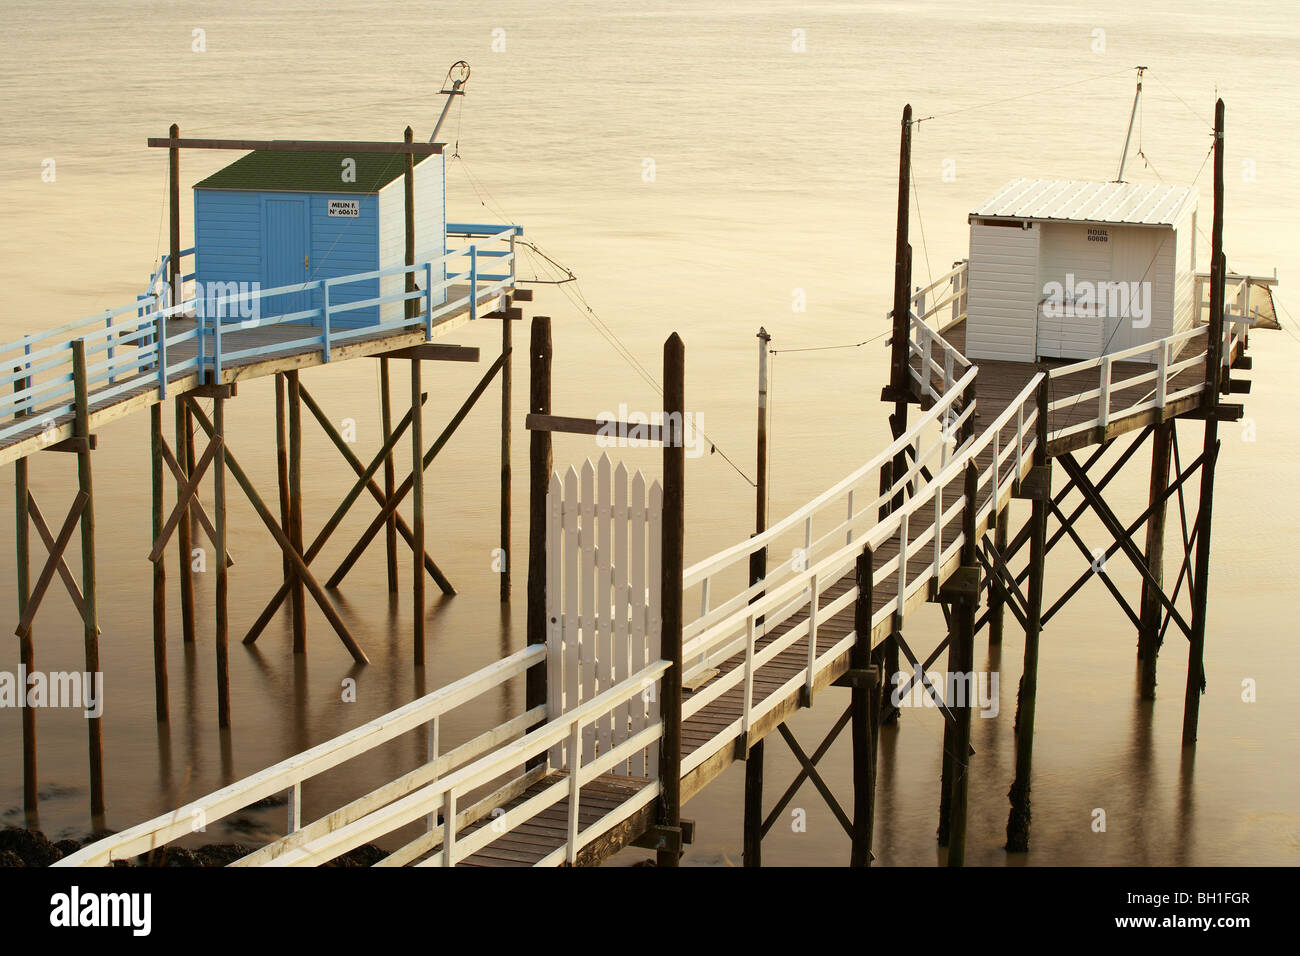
point(1067, 201)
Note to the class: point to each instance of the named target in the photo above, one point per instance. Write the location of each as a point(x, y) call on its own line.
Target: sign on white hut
point(1078, 270)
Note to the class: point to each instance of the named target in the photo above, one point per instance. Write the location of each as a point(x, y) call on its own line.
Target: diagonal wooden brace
point(331, 525)
point(376, 492)
point(316, 591)
point(1123, 537)
point(24, 629)
point(65, 573)
point(196, 506)
point(183, 496)
point(779, 807)
point(810, 770)
point(390, 507)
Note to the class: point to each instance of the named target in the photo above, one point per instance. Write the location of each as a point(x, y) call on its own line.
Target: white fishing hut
point(1079, 270)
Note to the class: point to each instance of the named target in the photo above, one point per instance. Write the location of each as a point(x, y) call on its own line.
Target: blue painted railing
point(36, 370)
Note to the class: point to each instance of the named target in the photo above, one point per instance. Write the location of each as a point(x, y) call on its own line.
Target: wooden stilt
point(866, 712)
point(395, 499)
point(962, 654)
point(90, 616)
point(674, 506)
point(1150, 613)
point(417, 512)
point(1213, 361)
point(390, 479)
point(26, 647)
point(282, 466)
point(282, 539)
point(297, 596)
point(507, 348)
point(159, 573)
point(752, 852)
point(1019, 817)
point(539, 476)
point(222, 616)
point(184, 536)
point(997, 604)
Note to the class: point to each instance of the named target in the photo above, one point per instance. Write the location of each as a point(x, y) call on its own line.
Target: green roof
point(294, 171)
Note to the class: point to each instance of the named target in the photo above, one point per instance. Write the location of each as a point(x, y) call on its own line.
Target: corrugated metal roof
point(1059, 200)
point(293, 171)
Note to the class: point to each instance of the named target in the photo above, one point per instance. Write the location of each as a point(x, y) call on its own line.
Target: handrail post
point(428, 301)
point(1103, 399)
point(575, 788)
point(815, 598)
point(746, 705)
point(325, 320)
point(162, 355)
point(473, 282)
point(848, 535)
point(1162, 374)
point(449, 828)
point(902, 568)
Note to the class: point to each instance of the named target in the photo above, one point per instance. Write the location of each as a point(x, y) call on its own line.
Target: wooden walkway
point(276, 354)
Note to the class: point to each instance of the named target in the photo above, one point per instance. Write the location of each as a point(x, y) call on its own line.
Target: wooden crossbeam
point(196, 505)
point(594, 426)
point(925, 680)
point(75, 444)
point(810, 771)
point(24, 629)
point(331, 525)
point(390, 507)
point(999, 577)
point(1101, 573)
point(779, 807)
point(183, 496)
point(434, 352)
point(1022, 536)
point(65, 573)
point(282, 540)
point(1124, 536)
point(295, 145)
point(404, 529)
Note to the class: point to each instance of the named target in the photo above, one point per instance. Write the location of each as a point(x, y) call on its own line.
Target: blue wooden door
point(285, 258)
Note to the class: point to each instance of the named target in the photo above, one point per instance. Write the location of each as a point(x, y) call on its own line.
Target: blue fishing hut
point(274, 218)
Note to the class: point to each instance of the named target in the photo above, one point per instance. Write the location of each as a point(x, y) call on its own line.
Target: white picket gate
point(603, 603)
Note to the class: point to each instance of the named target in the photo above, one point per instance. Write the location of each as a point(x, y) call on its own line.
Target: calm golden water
point(775, 171)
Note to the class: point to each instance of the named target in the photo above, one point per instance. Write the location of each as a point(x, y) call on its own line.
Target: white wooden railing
point(288, 776)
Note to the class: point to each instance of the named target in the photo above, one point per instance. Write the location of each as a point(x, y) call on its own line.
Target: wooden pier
point(646, 679)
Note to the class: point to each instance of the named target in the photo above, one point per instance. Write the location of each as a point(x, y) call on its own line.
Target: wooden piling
point(997, 603)
point(752, 846)
point(390, 478)
point(672, 553)
point(282, 467)
point(159, 573)
point(507, 350)
point(539, 476)
point(1151, 610)
point(865, 716)
point(1213, 360)
point(26, 647)
point(184, 530)
point(219, 546)
point(1019, 818)
point(297, 596)
point(962, 661)
point(417, 511)
point(89, 591)
point(752, 850)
